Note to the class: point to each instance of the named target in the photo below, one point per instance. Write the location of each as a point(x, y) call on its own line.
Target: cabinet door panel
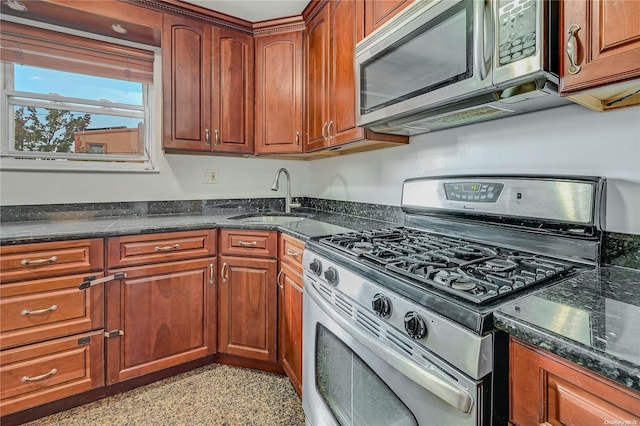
point(344, 36)
point(317, 123)
point(186, 83)
point(165, 313)
point(547, 389)
point(232, 91)
point(608, 43)
point(290, 325)
point(279, 80)
point(377, 12)
point(247, 310)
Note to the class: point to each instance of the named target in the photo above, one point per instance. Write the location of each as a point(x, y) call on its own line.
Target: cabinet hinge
point(113, 333)
point(92, 280)
point(83, 341)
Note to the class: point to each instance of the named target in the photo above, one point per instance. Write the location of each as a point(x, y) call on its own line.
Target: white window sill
point(15, 164)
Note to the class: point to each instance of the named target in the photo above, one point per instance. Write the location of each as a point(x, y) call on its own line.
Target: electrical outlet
point(210, 176)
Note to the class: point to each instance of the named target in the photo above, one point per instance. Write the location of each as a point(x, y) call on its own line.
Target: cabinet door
point(160, 316)
point(186, 48)
point(247, 308)
point(346, 30)
point(377, 12)
point(317, 69)
point(232, 99)
point(290, 324)
point(546, 389)
point(607, 43)
point(278, 79)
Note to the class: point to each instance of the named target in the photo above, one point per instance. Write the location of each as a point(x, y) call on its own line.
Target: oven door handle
point(432, 382)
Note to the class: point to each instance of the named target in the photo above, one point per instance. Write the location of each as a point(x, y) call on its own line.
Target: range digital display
point(476, 192)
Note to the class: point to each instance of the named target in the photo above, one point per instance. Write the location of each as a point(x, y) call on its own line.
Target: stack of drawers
point(51, 332)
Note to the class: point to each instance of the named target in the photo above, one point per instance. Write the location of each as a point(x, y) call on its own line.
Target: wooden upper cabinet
point(377, 12)
point(208, 87)
point(318, 68)
point(346, 30)
point(607, 44)
point(279, 93)
point(232, 98)
point(186, 45)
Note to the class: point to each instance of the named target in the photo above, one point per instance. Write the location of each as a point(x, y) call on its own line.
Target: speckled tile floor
point(212, 395)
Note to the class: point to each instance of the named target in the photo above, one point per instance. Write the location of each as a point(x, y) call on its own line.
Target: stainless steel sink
point(273, 219)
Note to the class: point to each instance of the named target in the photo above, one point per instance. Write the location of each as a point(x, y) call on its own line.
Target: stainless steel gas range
point(397, 323)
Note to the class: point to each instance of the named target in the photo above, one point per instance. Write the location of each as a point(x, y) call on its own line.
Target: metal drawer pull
point(211, 274)
point(223, 270)
point(248, 243)
point(25, 262)
point(167, 248)
point(278, 279)
point(297, 138)
point(39, 311)
point(293, 253)
point(217, 133)
point(42, 376)
point(207, 136)
point(572, 49)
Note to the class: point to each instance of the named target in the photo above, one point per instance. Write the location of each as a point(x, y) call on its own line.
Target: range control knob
point(381, 305)
point(331, 275)
point(316, 267)
point(415, 325)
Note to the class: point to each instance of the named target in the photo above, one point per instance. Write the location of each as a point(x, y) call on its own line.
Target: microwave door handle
point(480, 62)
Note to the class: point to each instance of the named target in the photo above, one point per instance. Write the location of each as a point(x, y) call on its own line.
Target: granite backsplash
point(619, 249)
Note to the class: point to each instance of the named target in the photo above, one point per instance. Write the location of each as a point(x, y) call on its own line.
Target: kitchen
point(569, 140)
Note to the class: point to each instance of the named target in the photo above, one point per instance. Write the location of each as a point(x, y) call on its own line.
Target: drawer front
point(43, 372)
point(40, 260)
point(291, 252)
point(140, 249)
point(38, 310)
point(249, 243)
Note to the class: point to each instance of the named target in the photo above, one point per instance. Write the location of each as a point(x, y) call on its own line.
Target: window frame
point(11, 159)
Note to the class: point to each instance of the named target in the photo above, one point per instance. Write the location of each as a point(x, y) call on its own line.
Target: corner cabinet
point(332, 33)
point(547, 389)
point(208, 87)
point(600, 46)
point(162, 312)
point(279, 93)
point(247, 294)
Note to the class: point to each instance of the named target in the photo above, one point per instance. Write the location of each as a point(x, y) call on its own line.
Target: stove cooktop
point(476, 272)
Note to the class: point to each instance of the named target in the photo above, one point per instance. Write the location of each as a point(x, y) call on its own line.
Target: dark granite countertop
point(316, 223)
point(591, 319)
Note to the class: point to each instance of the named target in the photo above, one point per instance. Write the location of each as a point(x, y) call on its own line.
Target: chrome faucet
point(276, 184)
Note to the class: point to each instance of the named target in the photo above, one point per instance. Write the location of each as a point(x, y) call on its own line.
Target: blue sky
point(41, 80)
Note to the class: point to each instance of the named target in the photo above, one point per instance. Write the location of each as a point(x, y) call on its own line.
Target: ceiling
point(254, 10)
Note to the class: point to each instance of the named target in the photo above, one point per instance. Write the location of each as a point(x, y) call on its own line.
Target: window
point(74, 102)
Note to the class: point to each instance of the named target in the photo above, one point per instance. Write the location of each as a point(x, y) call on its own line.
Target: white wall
point(565, 140)
point(180, 178)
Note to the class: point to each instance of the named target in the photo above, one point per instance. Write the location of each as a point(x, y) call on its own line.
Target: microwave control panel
point(517, 30)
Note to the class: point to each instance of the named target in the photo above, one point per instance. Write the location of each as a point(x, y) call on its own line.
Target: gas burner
point(360, 247)
point(497, 265)
point(463, 284)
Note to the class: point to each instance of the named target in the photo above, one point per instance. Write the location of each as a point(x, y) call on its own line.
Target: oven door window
point(352, 391)
point(437, 54)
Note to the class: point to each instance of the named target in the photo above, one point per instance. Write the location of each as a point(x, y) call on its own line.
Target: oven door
point(353, 378)
point(431, 54)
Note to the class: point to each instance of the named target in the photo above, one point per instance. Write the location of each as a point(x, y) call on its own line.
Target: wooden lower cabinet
point(247, 309)
point(160, 316)
point(547, 389)
point(290, 324)
point(36, 374)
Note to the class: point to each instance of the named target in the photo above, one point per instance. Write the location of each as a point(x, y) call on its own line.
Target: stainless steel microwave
point(445, 63)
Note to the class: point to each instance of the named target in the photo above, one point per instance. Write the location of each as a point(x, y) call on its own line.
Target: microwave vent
point(458, 118)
